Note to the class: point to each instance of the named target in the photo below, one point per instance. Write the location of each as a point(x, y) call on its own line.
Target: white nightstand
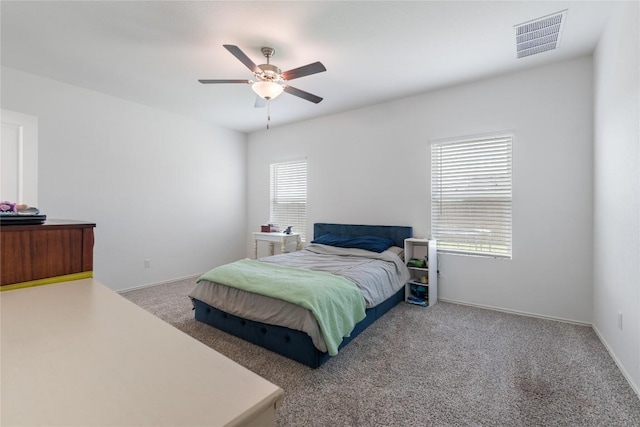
point(273, 238)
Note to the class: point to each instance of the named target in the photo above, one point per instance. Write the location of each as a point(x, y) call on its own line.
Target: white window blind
point(288, 206)
point(471, 196)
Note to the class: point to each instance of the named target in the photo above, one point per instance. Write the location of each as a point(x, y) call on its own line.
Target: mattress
point(378, 276)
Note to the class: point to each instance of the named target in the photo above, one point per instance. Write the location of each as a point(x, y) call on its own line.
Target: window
point(471, 196)
point(288, 206)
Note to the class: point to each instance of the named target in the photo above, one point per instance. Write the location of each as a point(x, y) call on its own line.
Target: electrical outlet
point(147, 263)
point(620, 320)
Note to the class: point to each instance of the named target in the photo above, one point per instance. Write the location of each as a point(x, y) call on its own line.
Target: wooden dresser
point(55, 251)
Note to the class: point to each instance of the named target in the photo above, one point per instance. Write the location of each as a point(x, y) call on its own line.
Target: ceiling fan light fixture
point(267, 90)
point(270, 81)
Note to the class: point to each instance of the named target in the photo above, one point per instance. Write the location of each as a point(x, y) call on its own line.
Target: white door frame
point(26, 131)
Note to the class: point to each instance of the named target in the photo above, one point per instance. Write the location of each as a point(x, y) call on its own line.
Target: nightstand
point(421, 257)
point(273, 238)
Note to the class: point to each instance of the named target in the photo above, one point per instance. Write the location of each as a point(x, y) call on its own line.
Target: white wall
point(617, 190)
point(372, 166)
point(159, 186)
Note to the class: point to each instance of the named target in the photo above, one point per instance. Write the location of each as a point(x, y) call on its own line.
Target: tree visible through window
point(288, 206)
point(471, 196)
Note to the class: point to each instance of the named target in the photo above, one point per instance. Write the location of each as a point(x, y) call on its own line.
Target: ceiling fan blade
point(223, 81)
point(305, 70)
point(260, 102)
point(235, 51)
point(302, 94)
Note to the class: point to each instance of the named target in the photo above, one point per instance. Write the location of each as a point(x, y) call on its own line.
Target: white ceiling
point(153, 52)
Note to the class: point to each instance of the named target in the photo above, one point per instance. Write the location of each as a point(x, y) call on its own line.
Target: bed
point(358, 267)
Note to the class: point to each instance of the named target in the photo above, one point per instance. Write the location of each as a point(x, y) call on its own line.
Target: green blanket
point(336, 302)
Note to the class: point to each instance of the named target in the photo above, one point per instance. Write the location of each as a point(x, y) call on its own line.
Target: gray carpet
point(450, 365)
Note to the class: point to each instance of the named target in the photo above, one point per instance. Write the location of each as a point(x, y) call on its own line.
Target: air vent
point(539, 35)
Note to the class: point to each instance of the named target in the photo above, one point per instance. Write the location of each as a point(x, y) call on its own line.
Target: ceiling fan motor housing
point(269, 72)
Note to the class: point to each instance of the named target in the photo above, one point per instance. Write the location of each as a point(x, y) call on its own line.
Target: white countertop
point(78, 354)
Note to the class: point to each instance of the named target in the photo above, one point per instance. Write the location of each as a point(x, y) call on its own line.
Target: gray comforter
point(377, 275)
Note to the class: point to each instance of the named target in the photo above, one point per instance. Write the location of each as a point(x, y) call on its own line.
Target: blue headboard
point(397, 233)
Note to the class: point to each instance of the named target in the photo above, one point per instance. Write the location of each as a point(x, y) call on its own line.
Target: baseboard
point(633, 385)
point(520, 313)
point(164, 282)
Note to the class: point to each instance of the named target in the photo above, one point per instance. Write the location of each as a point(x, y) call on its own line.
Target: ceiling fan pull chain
point(268, 113)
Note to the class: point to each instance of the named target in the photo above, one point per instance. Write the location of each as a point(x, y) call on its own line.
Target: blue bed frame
point(294, 344)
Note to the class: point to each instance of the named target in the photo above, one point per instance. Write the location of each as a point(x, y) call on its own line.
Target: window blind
point(288, 206)
point(471, 196)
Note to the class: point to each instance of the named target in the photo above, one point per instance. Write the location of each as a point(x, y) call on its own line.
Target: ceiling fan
point(270, 80)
